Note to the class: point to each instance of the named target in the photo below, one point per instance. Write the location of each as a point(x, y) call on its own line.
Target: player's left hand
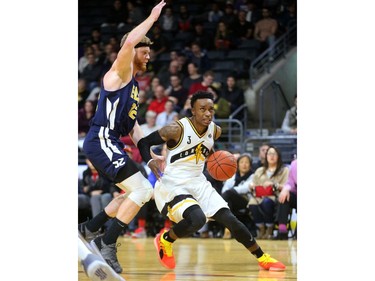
point(160, 159)
point(156, 166)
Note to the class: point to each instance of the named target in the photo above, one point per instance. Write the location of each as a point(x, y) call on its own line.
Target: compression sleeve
point(145, 144)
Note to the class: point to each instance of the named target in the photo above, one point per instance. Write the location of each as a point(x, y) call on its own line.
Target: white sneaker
point(98, 270)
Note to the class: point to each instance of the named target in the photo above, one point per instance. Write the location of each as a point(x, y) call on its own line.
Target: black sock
point(113, 231)
point(167, 237)
point(258, 253)
point(97, 222)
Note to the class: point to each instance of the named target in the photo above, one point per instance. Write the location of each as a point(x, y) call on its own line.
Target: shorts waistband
point(175, 200)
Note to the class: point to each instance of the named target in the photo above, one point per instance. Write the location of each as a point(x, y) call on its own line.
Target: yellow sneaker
point(165, 251)
point(268, 263)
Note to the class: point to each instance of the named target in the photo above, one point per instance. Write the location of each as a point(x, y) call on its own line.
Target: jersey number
point(118, 163)
point(133, 110)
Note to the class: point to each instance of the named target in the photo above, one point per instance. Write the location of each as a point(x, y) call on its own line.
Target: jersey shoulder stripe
point(181, 136)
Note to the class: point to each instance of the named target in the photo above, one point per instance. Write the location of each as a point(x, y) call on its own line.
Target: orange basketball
point(221, 165)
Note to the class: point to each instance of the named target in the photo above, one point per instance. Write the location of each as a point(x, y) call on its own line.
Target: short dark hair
point(200, 95)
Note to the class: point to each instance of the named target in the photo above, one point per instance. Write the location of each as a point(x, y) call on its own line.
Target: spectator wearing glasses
point(267, 182)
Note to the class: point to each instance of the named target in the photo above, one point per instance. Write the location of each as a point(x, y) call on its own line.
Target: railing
point(277, 91)
point(277, 51)
point(236, 115)
point(287, 144)
point(233, 130)
point(232, 135)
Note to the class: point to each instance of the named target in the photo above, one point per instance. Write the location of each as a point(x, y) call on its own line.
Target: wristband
point(145, 144)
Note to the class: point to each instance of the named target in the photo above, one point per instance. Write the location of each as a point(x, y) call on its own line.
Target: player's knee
point(112, 208)
point(142, 194)
point(138, 187)
point(196, 219)
point(199, 223)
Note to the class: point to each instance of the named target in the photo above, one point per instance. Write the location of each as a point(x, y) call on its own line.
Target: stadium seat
point(248, 44)
point(164, 57)
point(124, 29)
point(216, 55)
point(224, 65)
point(238, 54)
point(108, 29)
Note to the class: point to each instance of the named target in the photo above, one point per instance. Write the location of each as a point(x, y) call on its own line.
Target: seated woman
point(268, 180)
point(236, 192)
point(287, 201)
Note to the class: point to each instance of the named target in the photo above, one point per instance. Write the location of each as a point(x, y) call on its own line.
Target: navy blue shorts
point(105, 150)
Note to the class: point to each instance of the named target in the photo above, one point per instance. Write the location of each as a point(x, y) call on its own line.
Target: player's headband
point(141, 44)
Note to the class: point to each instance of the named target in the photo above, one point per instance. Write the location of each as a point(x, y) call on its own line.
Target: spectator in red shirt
point(158, 103)
point(208, 78)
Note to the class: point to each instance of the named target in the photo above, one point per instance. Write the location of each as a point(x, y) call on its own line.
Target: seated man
point(289, 125)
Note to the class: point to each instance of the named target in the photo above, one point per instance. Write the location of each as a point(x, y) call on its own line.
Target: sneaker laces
point(267, 259)
point(116, 246)
point(166, 246)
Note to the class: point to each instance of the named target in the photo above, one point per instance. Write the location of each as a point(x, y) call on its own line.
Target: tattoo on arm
point(170, 133)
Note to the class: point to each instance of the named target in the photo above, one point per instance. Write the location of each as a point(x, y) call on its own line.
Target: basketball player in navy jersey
point(115, 116)
point(183, 193)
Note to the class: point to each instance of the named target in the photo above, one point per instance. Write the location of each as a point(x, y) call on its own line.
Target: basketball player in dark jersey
point(115, 116)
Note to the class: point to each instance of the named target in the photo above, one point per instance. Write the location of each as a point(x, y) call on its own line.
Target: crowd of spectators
point(183, 39)
point(261, 194)
point(180, 64)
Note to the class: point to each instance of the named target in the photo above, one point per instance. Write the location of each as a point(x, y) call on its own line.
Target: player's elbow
point(143, 144)
point(129, 43)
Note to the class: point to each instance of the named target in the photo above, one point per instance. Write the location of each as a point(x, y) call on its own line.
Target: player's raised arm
point(123, 64)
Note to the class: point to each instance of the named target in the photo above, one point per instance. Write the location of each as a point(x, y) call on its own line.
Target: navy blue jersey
point(117, 110)
point(115, 116)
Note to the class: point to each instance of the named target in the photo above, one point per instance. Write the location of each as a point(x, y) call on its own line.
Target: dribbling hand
point(157, 166)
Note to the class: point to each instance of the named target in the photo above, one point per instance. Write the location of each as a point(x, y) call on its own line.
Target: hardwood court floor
point(201, 260)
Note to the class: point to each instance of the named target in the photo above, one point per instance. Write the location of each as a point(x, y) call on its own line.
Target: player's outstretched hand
point(156, 11)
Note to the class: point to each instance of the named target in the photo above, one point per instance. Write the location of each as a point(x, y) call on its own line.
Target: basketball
point(221, 165)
